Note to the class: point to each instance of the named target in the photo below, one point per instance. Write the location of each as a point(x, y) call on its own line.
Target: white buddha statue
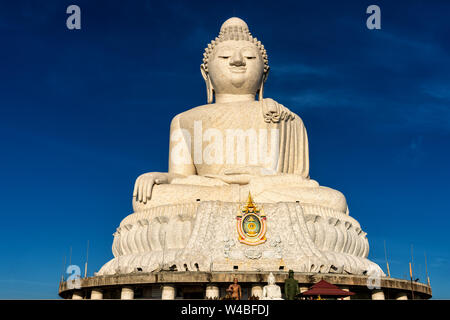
point(236, 141)
point(239, 143)
point(271, 291)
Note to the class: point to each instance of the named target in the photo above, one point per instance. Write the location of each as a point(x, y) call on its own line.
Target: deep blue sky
point(83, 113)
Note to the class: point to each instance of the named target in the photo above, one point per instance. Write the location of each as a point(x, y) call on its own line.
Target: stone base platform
point(169, 285)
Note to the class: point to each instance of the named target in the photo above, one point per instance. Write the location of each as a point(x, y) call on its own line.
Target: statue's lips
point(238, 69)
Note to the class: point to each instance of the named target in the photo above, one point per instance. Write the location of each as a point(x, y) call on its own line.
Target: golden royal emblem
point(251, 224)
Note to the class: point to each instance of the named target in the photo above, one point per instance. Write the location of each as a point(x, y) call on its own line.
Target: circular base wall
point(200, 285)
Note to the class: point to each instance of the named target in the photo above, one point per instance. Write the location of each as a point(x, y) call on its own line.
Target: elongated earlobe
point(209, 91)
point(209, 87)
point(261, 88)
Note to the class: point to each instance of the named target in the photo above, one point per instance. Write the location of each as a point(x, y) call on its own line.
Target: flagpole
point(64, 269)
point(385, 256)
point(87, 259)
point(426, 270)
point(410, 273)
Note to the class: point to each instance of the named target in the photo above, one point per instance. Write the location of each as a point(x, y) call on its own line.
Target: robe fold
point(210, 139)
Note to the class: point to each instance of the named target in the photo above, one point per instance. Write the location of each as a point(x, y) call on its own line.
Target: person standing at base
point(291, 289)
point(235, 289)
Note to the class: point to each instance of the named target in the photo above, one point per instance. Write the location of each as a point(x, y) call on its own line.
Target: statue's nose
point(237, 59)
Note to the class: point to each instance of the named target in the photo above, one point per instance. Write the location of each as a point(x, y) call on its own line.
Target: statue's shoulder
point(274, 111)
point(195, 111)
point(191, 114)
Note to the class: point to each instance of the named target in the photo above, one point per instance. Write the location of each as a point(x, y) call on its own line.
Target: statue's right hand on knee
point(145, 182)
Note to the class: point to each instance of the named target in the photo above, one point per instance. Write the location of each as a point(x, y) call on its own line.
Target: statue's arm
point(294, 149)
point(301, 165)
point(180, 159)
point(180, 165)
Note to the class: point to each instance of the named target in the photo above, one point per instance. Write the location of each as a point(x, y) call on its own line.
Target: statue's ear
point(266, 74)
point(204, 72)
point(261, 89)
point(209, 87)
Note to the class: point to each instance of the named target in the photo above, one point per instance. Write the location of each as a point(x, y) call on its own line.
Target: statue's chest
point(230, 119)
point(227, 137)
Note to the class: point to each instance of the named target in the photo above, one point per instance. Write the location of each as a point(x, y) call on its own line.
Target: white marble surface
point(186, 218)
point(204, 234)
point(271, 291)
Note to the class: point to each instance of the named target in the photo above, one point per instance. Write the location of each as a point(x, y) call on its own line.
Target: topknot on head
point(235, 29)
point(234, 22)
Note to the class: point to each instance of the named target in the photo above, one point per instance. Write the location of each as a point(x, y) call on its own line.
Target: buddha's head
point(235, 63)
point(271, 279)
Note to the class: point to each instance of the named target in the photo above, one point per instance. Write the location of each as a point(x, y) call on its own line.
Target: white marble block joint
point(168, 292)
point(378, 294)
point(212, 292)
point(127, 293)
point(96, 294)
point(257, 291)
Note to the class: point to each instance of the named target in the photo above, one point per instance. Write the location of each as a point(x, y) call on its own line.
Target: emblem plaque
point(251, 224)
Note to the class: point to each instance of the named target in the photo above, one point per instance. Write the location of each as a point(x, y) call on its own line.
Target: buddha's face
point(236, 67)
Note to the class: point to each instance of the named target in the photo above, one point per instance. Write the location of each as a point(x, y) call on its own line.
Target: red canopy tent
point(326, 289)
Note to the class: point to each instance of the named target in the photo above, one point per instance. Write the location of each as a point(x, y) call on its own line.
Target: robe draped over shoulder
point(203, 135)
point(293, 147)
